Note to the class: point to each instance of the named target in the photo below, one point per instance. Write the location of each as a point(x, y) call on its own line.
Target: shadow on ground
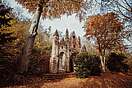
point(107, 80)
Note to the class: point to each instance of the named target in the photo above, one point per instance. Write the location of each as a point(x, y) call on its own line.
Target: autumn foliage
point(55, 8)
point(106, 29)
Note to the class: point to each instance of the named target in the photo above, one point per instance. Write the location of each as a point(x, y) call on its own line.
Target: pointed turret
point(56, 33)
point(67, 53)
point(79, 39)
point(54, 54)
point(67, 34)
point(79, 42)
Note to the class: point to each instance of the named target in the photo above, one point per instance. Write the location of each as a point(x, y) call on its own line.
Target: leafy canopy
point(106, 29)
point(55, 8)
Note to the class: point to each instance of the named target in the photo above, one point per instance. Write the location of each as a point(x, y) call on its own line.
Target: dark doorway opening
point(72, 58)
point(71, 65)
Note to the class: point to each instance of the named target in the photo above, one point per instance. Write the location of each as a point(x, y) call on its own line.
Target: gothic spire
point(56, 33)
point(79, 41)
point(79, 38)
point(67, 33)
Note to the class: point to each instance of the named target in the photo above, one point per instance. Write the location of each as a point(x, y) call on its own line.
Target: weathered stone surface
point(62, 49)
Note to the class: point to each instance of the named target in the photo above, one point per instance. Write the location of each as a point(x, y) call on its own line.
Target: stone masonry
point(63, 51)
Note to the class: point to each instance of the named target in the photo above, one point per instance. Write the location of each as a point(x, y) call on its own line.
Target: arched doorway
point(61, 62)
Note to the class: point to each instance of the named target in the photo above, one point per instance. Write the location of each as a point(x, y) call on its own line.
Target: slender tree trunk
point(103, 60)
point(102, 63)
point(27, 50)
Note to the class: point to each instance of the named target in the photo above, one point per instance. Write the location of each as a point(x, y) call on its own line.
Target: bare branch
point(118, 3)
point(128, 3)
point(123, 13)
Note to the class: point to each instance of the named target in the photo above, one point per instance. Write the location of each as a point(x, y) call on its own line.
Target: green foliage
point(87, 64)
point(39, 61)
point(116, 62)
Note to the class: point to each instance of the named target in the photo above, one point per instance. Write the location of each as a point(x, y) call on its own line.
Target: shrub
point(7, 70)
point(116, 63)
point(86, 65)
point(39, 62)
point(129, 62)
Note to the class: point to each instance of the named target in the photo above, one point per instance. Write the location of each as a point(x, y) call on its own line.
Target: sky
point(61, 24)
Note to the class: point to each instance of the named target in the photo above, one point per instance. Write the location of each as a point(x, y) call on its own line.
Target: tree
point(7, 38)
point(49, 8)
point(123, 8)
point(6, 34)
point(106, 29)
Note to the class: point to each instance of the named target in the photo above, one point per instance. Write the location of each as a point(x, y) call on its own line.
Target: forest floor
point(107, 80)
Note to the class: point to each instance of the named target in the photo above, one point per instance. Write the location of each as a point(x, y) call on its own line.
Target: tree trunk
point(27, 50)
point(103, 60)
point(102, 63)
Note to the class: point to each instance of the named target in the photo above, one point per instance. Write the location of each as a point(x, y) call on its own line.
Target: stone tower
point(67, 52)
point(79, 44)
point(55, 53)
point(75, 42)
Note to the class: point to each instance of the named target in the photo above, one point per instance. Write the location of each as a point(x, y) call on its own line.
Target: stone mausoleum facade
point(64, 50)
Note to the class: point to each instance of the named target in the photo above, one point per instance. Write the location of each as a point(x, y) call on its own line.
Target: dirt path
point(105, 81)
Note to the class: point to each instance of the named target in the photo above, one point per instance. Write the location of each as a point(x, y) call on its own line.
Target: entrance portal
point(72, 57)
point(61, 62)
point(71, 65)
